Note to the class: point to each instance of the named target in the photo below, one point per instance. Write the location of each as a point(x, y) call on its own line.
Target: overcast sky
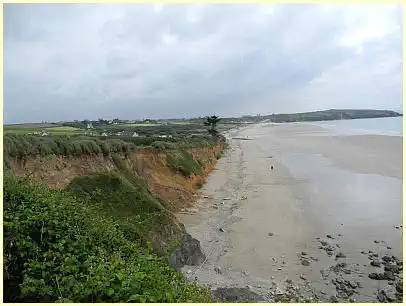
point(65, 62)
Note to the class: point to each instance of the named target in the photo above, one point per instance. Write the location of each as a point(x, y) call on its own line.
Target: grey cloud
point(133, 61)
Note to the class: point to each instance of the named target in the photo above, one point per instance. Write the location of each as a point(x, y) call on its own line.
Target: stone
point(226, 199)
point(323, 242)
point(376, 276)
point(303, 253)
point(390, 293)
point(236, 295)
point(392, 268)
point(376, 241)
point(375, 263)
point(340, 255)
point(329, 236)
point(338, 246)
point(399, 286)
point(270, 234)
point(189, 253)
point(389, 275)
point(302, 277)
point(305, 262)
point(389, 247)
point(381, 296)
point(387, 258)
point(221, 230)
point(218, 270)
point(333, 299)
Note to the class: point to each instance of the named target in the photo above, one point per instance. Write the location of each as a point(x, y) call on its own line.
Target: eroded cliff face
point(149, 164)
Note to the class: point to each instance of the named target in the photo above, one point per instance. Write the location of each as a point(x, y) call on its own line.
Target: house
point(104, 134)
point(135, 134)
point(89, 125)
point(44, 133)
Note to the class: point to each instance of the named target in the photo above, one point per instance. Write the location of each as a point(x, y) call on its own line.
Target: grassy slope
point(85, 244)
point(93, 241)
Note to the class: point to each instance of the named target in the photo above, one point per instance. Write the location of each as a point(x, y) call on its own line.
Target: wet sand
point(260, 227)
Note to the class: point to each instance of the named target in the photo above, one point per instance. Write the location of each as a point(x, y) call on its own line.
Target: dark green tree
point(211, 122)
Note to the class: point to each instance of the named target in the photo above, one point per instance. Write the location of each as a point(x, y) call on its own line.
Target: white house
point(135, 134)
point(104, 134)
point(89, 125)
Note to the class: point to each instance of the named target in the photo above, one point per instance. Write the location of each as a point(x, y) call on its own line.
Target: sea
point(391, 126)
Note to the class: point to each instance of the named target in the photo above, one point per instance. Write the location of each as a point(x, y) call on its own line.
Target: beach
point(291, 205)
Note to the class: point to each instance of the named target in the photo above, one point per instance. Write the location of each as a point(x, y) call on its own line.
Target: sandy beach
point(329, 207)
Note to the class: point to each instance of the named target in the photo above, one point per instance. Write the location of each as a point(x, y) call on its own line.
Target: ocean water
point(376, 126)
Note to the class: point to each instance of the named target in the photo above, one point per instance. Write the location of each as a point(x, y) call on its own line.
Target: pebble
point(270, 234)
point(381, 296)
point(375, 263)
point(338, 246)
point(305, 262)
point(189, 271)
point(303, 253)
point(388, 247)
point(386, 258)
point(329, 236)
point(340, 255)
point(376, 241)
point(225, 199)
point(218, 270)
point(333, 299)
point(221, 230)
point(279, 269)
point(302, 277)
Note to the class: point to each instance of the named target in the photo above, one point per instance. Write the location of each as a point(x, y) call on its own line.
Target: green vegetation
point(212, 121)
point(184, 163)
point(85, 244)
point(106, 237)
point(23, 146)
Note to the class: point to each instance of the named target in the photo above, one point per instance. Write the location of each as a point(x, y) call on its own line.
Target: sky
point(134, 61)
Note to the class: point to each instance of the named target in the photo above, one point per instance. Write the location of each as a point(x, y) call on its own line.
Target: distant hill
point(331, 114)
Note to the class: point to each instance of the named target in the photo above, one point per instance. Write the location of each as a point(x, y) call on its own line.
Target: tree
point(211, 121)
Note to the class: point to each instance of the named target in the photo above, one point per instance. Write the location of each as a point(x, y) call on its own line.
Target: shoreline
point(256, 229)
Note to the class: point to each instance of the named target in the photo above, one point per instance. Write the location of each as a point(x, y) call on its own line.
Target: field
point(48, 128)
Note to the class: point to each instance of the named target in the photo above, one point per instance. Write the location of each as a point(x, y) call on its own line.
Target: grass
point(23, 146)
point(184, 163)
point(77, 245)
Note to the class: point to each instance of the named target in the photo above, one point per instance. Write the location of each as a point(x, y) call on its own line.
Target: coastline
point(257, 227)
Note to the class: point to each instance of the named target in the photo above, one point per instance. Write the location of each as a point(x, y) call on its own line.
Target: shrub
point(60, 247)
point(184, 163)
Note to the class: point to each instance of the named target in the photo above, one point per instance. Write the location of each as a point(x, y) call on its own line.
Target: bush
point(184, 163)
point(60, 247)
